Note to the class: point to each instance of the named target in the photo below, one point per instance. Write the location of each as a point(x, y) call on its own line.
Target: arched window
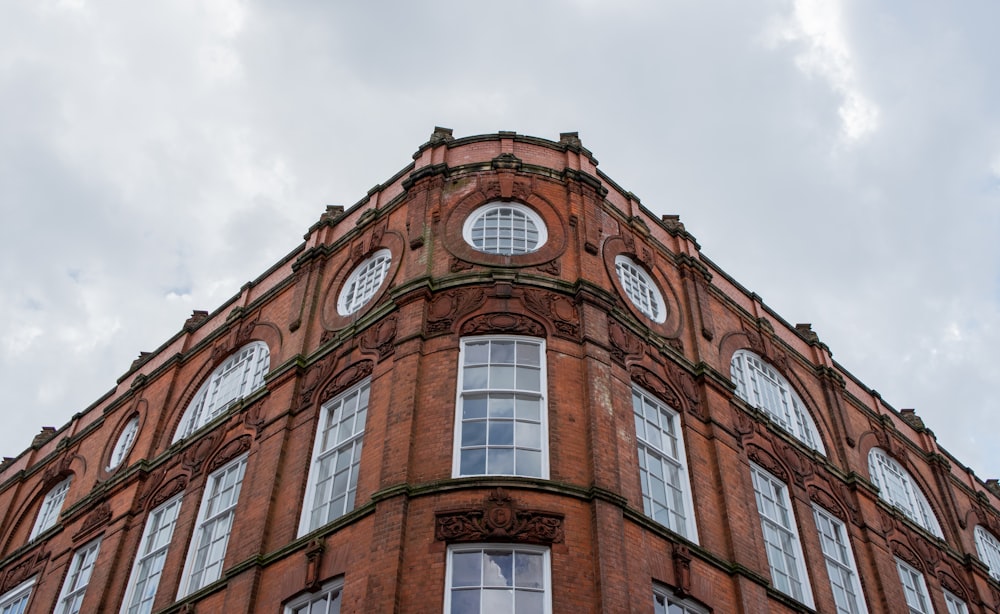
point(124, 443)
point(363, 282)
point(760, 385)
point(238, 376)
point(989, 550)
point(48, 514)
point(505, 228)
point(640, 289)
point(897, 487)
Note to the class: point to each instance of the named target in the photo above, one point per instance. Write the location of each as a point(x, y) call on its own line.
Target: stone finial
point(47, 433)
point(142, 357)
point(910, 417)
point(441, 135)
point(806, 330)
point(672, 222)
point(570, 138)
point(332, 213)
point(993, 485)
point(197, 317)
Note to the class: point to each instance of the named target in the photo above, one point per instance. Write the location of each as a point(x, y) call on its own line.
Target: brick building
point(495, 384)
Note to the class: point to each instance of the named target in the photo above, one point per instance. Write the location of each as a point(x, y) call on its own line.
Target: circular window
point(641, 289)
point(124, 443)
point(363, 282)
point(505, 228)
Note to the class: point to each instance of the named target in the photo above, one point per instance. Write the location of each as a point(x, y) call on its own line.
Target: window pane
point(511, 401)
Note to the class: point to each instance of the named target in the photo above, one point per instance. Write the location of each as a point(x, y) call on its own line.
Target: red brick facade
point(390, 549)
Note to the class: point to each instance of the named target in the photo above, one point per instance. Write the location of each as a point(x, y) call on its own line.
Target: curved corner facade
point(495, 384)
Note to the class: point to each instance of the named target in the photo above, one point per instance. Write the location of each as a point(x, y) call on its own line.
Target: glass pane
point(527, 354)
point(465, 602)
point(502, 352)
point(473, 462)
point(477, 353)
point(466, 568)
point(529, 463)
point(502, 406)
point(528, 572)
point(473, 434)
point(529, 602)
point(501, 433)
point(474, 378)
point(474, 406)
point(501, 461)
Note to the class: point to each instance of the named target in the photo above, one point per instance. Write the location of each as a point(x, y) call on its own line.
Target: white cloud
point(816, 29)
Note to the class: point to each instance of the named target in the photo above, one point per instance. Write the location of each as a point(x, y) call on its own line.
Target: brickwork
point(389, 550)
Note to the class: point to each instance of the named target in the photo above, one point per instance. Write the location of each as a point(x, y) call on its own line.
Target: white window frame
point(988, 547)
point(469, 395)
point(485, 587)
point(15, 601)
point(124, 443)
point(841, 567)
point(777, 521)
point(336, 458)
point(520, 227)
point(760, 385)
point(954, 603)
point(364, 282)
point(147, 569)
point(75, 586)
point(48, 513)
point(666, 602)
point(331, 593)
point(238, 376)
point(641, 289)
point(898, 488)
point(918, 600)
point(210, 539)
point(660, 444)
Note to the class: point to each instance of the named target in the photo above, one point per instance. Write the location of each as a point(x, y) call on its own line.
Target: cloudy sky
point(840, 158)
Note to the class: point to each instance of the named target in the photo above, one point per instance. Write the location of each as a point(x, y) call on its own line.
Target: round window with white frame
point(505, 228)
point(641, 289)
point(363, 282)
point(124, 443)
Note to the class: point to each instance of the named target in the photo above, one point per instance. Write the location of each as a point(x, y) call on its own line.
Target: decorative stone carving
point(551, 267)
point(684, 382)
point(314, 559)
point(229, 451)
point(59, 469)
point(745, 424)
point(764, 458)
point(195, 456)
point(380, 338)
point(447, 307)
point(346, 378)
point(98, 516)
point(159, 489)
point(253, 418)
point(793, 459)
point(500, 518)
point(559, 309)
point(904, 552)
point(503, 323)
point(245, 330)
point(682, 569)
point(459, 265)
point(23, 570)
point(623, 342)
point(951, 583)
point(657, 386)
point(827, 501)
point(327, 336)
point(316, 374)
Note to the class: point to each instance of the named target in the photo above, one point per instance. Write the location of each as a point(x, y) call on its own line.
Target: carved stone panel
point(380, 338)
point(447, 307)
point(503, 323)
point(499, 518)
point(559, 309)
